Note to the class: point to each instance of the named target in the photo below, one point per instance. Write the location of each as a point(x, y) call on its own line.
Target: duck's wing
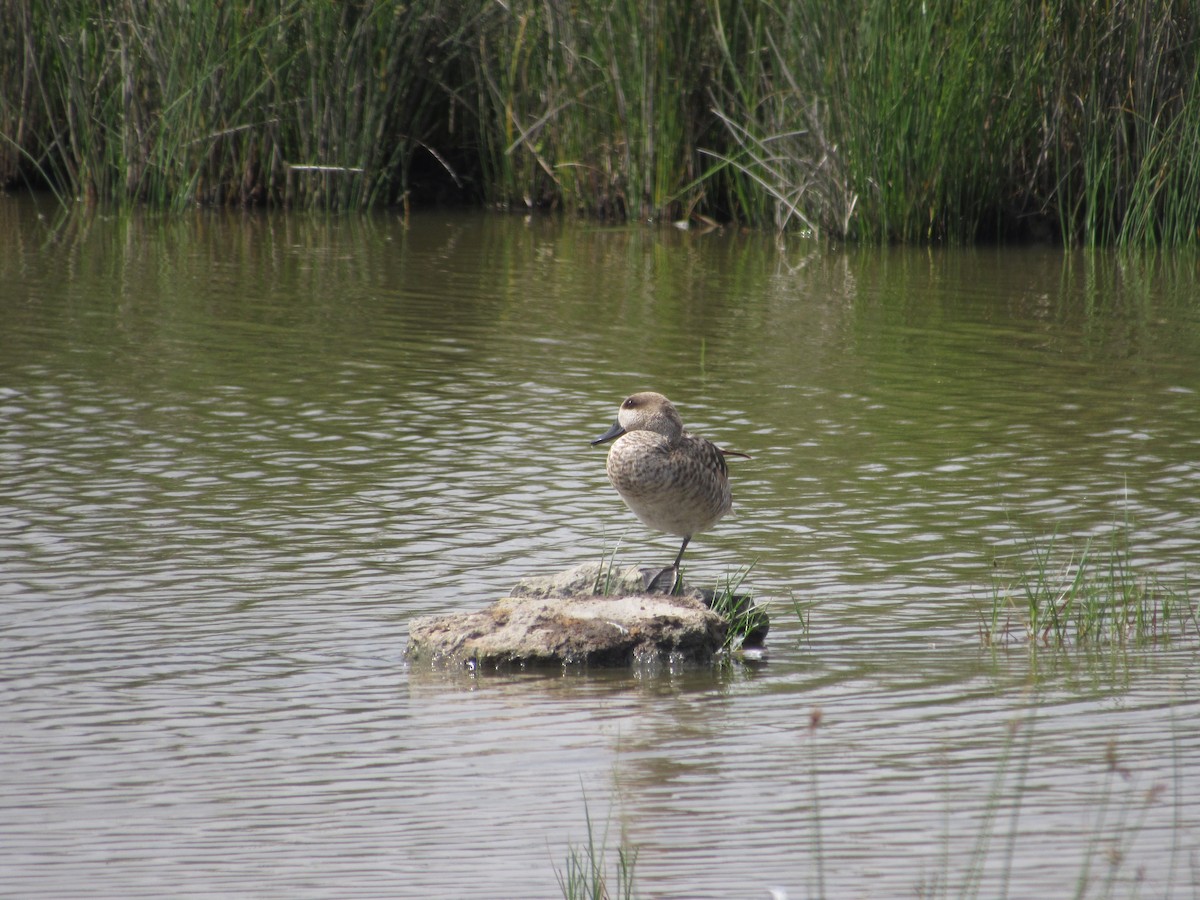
point(704, 452)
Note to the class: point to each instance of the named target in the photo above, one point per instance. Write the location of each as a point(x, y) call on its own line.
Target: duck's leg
point(679, 558)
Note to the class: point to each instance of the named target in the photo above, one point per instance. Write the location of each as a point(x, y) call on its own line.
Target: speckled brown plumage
point(673, 481)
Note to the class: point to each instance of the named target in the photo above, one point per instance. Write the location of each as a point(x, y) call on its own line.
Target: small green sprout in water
point(803, 616)
point(586, 874)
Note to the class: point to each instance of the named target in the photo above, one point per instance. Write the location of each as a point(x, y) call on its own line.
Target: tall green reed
point(177, 103)
point(598, 113)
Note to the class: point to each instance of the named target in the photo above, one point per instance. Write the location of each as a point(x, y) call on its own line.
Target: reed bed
point(876, 120)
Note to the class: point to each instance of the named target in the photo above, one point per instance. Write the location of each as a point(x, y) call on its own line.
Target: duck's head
point(644, 411)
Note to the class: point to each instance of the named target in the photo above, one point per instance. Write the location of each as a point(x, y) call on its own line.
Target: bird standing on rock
point(673, 481)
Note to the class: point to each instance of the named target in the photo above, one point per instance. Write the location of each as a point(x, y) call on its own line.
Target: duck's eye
point(630, 403)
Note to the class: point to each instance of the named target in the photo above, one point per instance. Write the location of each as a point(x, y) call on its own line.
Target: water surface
point(239, 453)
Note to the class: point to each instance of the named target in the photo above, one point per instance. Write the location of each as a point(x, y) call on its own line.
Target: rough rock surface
point(561, 620)
point(594, 579)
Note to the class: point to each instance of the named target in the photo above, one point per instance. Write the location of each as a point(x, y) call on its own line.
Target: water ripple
point(222, 503)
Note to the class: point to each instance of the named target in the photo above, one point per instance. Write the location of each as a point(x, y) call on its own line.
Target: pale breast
point(682, 489)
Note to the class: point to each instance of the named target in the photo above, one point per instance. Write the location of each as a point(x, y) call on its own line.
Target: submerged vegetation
point(874, 120)
point(1090, 597)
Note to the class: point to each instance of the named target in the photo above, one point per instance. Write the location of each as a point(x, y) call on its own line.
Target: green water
point(239, 453)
